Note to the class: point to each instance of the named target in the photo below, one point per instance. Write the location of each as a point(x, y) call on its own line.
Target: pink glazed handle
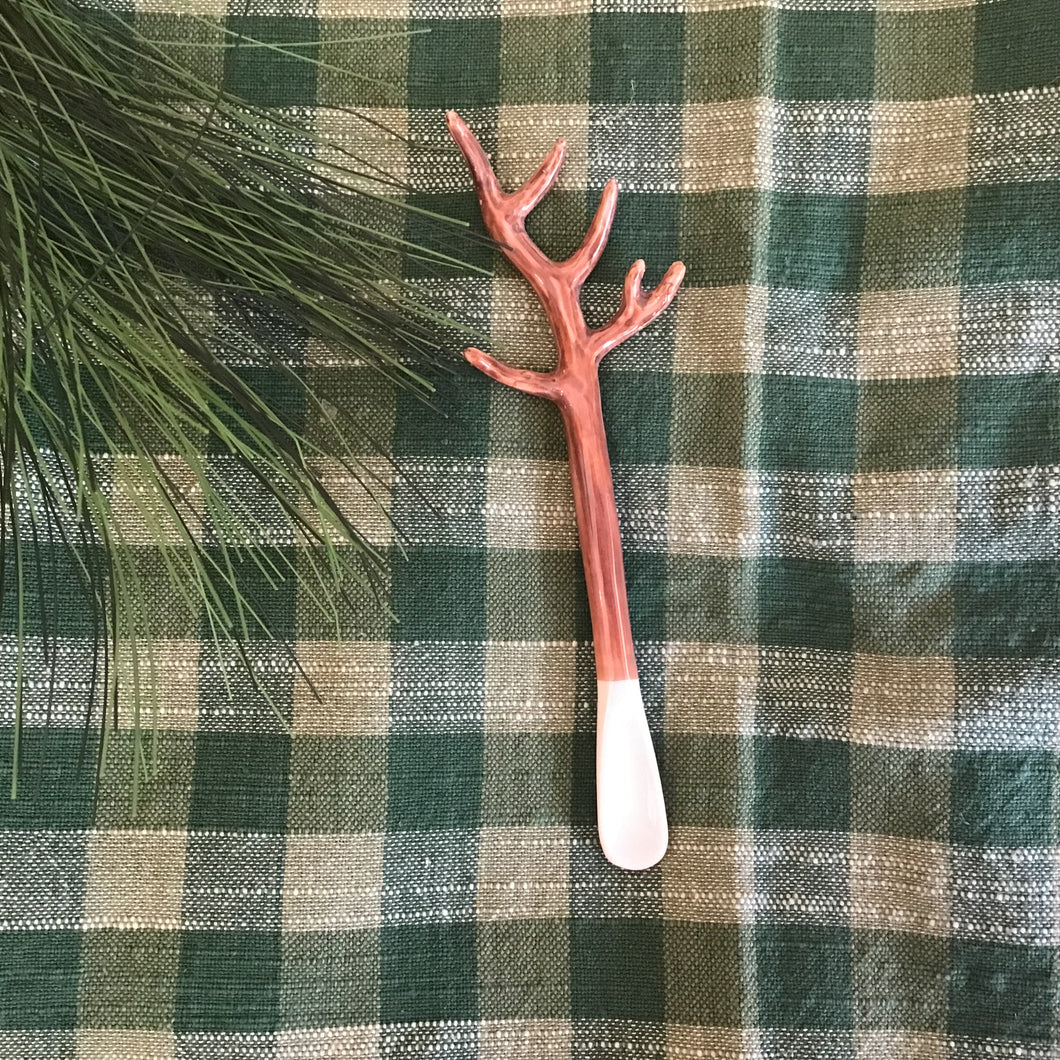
point(631, 815)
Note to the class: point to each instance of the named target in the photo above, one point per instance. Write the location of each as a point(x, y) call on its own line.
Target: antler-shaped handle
point(631, 815)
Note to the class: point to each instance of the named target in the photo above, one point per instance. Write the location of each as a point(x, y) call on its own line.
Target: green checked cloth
point(837, 462)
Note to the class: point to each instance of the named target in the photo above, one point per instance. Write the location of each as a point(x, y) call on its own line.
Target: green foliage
point(163, 244)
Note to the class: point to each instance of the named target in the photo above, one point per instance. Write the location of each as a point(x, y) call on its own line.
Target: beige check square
point(543, 8)
point(900, 1045)
point(212, 9)
point(526, 134)
point(713, 512)
point(919, 145)
point(134, 880)
point(700, 875)
point(142, 516)
point(529, 505)
point(110, 1043)
point(169, 672)
point(725, 145)
point(366, 150)
point(908, 334)
point(519, 327)
point(718, 1043)
point(902, 700)
point(364, 499)
point(352, 688)
point(529, 686)
point(905, 516)
point(523, 873)
point(384, 9)
point(709, 687)
point(333, 882)
point(899, 884)
point(720, 329)
point(524, 1040)
point(356, 1043)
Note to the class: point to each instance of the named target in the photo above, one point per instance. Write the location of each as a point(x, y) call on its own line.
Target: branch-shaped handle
point(631, 814)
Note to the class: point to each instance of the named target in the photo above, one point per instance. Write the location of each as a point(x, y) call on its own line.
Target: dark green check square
point(361, 606)
point(350, 394)
point(825, 54)
point(523, 427)
point(903, 608)
point(229, 982)
point(133, 976)
point(454, 63)
point(526, 779)
point(635, 58)
point(815, 240)
point(810, 424)
point(434, 781)
point(537, 594)
point(717, 233)
point(1017, 45)
point(924, 54)
point(646, 593)
point(56, 779)
point(337, 784)
point(439, 594)
point(900, 791)
point(57, 598)
point(907, 424)
point(1009, 420)
point(428, 972)
point(913, 239)
point(703, 974)
point(523, 969)
point(900, 981)
point(1009, 234)
point(240, 782)
point(267, 583)
point(645, 226)
point(462, 432)
point(276, 76)
point(39, 973)
point(804, 976)
point(636, 416)
point(1002, 798)
point(365, 61)
point(805, 603)
point(470, 250)
point(1007, 609)
point(330, 979)
point(707, 599)
point(702, 788)
point(725, 53)
point(543, 59)
point(615, 969)
point(708, 419)
point(162, 802)
point(1001, 991)
point(802, 784)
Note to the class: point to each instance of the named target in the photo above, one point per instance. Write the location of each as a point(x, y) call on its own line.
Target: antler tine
point(481, 170)
point(637, 310)
point(538, 186)
point(540, 383)
point(584, 259)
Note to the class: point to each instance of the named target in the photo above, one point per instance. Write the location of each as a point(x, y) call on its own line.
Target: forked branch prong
point(541, 384)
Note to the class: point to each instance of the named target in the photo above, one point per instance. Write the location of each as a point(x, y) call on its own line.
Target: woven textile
point(837, 462)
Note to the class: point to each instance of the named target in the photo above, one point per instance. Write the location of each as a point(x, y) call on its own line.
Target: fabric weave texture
point(837, 464)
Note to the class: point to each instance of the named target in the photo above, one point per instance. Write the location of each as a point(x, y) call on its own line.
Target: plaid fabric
point(837, 462)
